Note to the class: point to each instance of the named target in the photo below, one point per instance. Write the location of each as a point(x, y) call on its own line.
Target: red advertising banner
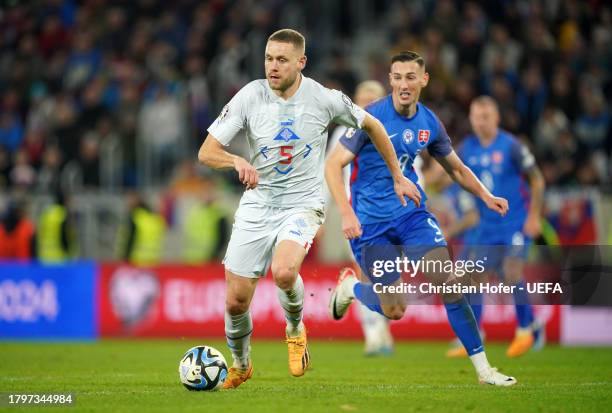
point(188, 301)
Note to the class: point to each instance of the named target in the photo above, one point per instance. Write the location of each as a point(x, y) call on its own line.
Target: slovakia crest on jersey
point(423, 136)
point(408, 136)
point(497, 157)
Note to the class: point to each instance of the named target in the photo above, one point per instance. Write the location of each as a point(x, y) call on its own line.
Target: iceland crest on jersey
point(286, 135)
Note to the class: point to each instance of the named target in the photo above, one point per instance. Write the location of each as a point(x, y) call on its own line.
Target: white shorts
point(258, 229)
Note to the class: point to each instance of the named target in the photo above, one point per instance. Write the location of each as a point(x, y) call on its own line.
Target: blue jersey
point(462, 203)
point(372, 194)
point(501, 167)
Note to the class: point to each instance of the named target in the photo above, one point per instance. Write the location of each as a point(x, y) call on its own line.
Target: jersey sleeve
point(354, 139)
point(232, 118)
point(344, 111)
point(522, 157)
point(441, 146)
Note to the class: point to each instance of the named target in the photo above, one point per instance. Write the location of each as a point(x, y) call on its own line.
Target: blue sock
point(476, 304)
point(524, 311)
point(461, 319)
point(365, 293)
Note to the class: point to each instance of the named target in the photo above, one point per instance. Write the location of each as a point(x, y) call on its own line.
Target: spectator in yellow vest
point(205, 228)
point(142, 241)
point(55, 239)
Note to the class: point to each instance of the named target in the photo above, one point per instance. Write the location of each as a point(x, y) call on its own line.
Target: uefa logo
point(408, 136)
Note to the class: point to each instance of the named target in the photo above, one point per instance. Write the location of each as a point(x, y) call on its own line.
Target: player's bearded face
point(407, 79)
point(283, 63)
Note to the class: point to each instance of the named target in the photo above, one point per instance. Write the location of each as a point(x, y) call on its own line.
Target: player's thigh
point(420, 235)
point(250, 247)
point(372, 249)
point(296, 231)
point(286, 263)
point(419, 230)
point(239, 292)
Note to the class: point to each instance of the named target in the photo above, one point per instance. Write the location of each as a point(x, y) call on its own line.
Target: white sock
point(386, 332)
point(373, 326)
point(292, 302)
point(238, 330)
point(480, 362)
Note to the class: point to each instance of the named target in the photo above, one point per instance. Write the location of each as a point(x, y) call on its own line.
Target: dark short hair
point(289, 36)
point(408, 56)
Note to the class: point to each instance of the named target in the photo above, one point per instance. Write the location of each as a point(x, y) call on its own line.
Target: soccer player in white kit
point(286, 117)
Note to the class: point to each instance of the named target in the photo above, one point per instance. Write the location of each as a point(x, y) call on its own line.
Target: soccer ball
point(202, 368)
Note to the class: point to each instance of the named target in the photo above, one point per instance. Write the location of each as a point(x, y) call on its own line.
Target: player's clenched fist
point(247, 174)
point(351, 227)
point(500, 205)
point(404, 187)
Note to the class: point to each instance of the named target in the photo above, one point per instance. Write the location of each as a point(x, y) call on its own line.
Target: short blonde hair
point(373, 86)
point(289, 36)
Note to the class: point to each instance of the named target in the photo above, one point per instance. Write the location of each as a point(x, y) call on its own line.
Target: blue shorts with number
point(412, 234)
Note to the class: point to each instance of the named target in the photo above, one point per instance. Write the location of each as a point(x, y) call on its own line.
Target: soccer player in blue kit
point(373, 217)
point(502, 162)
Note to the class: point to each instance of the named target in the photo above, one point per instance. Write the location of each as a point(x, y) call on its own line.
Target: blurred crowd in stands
point(116, 95)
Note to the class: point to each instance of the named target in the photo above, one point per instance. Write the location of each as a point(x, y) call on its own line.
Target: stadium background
point(109, 100)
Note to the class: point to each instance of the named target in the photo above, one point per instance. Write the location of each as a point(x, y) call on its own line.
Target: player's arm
point(524, 161)
point(533, 225)
point(468, 181)
point(213, 155)
point(336, 161)
point(402, 185)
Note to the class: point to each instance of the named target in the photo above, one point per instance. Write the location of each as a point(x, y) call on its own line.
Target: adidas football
point(203, 368)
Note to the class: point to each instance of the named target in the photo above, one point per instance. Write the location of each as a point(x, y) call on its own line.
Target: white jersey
point(287, 138)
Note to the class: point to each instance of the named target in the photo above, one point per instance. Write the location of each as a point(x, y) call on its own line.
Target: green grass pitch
point(141, 376)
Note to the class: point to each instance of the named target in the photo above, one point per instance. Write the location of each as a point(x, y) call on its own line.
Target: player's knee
point(236, 305)
point(284, 276)
point(394, 312)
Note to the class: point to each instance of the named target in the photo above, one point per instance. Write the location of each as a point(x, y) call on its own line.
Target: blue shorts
point(412, 234)
point(496, 244)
